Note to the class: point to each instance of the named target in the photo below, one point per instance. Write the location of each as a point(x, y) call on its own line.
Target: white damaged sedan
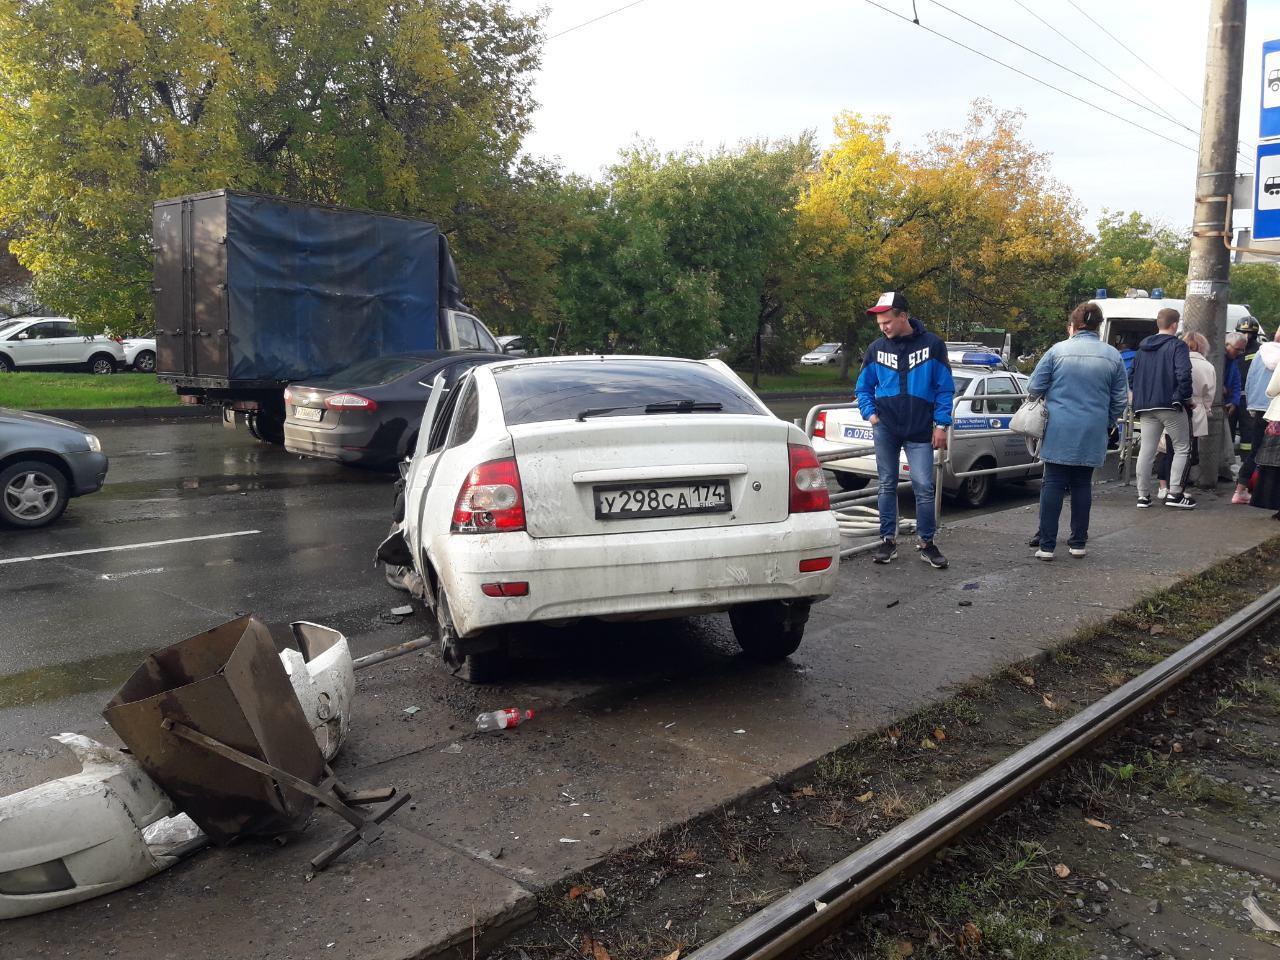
point(622, 488)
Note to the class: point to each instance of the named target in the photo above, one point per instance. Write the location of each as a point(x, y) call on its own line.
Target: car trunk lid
point(656, 472)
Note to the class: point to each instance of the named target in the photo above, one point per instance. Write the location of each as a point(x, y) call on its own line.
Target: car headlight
point(95, 445)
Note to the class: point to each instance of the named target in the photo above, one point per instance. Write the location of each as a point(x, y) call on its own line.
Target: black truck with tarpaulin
point(254, 292)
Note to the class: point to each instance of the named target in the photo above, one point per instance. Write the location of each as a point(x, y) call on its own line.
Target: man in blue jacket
point(904, 391)
point(1162, 401)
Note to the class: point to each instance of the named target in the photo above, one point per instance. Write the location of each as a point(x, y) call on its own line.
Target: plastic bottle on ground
point(501, 719)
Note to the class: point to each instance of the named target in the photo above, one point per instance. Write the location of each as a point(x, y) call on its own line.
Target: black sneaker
point(1181, 501)
point(887, 550)
point(1145, 501)
point(931, 555)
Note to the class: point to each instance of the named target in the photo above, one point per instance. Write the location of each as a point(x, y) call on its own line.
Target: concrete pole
point(1208, 274)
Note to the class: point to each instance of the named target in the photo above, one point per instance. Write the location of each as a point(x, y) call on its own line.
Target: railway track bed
point(1160, 840)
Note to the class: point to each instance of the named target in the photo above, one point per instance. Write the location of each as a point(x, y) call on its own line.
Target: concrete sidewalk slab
point(642, 737)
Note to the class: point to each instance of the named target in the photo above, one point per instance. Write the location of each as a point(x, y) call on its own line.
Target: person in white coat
point(1204, 383)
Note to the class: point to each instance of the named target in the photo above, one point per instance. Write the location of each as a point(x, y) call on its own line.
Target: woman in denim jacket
point(1083, 382)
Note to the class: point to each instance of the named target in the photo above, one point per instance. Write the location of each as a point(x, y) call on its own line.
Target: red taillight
point(820, 425)
point(808, 484)
point(350, 401)
point(490, 500)
point(511, 588)
point(814, 565)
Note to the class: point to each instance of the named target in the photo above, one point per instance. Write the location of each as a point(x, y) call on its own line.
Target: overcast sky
point(711, 72)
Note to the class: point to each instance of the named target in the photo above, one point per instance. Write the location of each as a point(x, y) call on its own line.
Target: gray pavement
point(639, 727)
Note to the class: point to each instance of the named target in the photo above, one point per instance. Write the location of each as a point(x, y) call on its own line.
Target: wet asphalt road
point(292, 539)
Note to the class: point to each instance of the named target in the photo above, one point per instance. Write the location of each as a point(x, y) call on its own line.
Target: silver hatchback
point(44, 462)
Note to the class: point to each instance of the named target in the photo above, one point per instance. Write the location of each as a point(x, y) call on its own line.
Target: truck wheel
point(267, 426)
point(850, 482)
point(485, 666)
point(32, 494)
point(103, 364)
point(770, 630)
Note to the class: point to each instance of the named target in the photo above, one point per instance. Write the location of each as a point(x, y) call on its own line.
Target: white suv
point(53, 342)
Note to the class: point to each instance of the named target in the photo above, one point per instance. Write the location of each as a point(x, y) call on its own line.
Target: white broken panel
point(323, 680)
point(80, 836)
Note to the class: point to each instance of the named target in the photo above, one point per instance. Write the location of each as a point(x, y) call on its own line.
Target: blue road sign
point(1269, 119)
point(1266, 192)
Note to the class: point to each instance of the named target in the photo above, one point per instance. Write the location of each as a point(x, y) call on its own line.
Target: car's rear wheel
point(145, 362)
point(975, 491)
point(103, 364)
point(6, 365)
point(850, 482)
point(770, 630)
point(486, 666)
point(32, 494)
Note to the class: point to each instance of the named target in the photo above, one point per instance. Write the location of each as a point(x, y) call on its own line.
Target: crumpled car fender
point(80, 836)
point(324, 681)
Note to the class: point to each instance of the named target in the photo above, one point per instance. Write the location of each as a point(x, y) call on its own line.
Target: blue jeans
point(1058, 479)
point(920, 462)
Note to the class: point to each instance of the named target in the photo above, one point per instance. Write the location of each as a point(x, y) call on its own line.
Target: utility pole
point(1208, 274)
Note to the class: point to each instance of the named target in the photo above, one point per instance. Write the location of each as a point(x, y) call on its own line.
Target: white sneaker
point(1162, 493)
point(1044, 554)
point(1077, 551)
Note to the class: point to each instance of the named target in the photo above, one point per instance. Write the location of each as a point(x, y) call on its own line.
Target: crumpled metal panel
point(230, 685)
point(323, 680)
point(80, 836)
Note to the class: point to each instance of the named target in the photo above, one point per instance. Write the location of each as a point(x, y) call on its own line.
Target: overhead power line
point(1134, 55)
point(1033, 78)
point(1055, 63)
point(587, 23)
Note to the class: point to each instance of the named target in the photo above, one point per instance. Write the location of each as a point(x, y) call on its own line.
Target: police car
point(980, 436)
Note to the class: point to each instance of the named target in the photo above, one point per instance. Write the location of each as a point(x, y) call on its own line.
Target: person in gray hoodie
point(1161, 397)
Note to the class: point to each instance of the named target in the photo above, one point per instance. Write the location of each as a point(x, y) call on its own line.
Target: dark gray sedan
point(369, 413)
point(44, 462)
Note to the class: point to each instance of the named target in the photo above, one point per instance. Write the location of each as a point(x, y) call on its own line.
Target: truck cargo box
point(255, 291)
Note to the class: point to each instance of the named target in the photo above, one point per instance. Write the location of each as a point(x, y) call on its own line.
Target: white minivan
point(1133, 318)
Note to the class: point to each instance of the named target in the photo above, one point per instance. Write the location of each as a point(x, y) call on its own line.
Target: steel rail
point(815, 908)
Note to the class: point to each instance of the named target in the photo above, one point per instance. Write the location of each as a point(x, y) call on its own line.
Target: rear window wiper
point(660, 406)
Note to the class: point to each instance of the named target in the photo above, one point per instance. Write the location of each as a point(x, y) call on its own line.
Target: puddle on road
point(68, 679)
point(176, 488)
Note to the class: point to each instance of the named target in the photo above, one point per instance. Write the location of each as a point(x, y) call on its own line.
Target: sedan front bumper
point(88, 471)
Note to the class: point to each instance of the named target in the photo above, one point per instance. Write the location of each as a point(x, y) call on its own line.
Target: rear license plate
point(308, 413)
point(858, 433)
point(630, 501)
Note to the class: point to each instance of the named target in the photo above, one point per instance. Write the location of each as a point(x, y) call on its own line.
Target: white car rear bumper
point(635, 576)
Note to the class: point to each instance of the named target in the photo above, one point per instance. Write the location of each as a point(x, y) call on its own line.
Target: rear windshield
point(535, 393)
point(370, 373)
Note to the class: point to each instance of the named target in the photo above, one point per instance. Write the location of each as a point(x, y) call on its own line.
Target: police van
point(988, 394)
point(1129, 319)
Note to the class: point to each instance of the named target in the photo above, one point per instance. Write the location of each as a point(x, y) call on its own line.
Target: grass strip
point(83, 391)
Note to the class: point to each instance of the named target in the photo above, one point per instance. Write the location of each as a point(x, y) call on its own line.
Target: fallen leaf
point(970, 935)
point(689, 856)
point(1170, 710)
point(1062, 870)
point(927, 744)
point(1156, 629)
point(674, 954)
point(594, 949)
point(894, 733)
point(1028, 680)
point(1049, 701)
point(576, 892)
point(939, 734)
point(596, 894)
point(1177, 747)
point(866, 796)
point(667, 925)
point(819, 906)
point(1097, 823)
point(805, 791)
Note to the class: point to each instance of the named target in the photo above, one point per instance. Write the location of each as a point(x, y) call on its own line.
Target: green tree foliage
point(676, 253)
point(1258, 285)
point(415, 106)
point(1131, 251)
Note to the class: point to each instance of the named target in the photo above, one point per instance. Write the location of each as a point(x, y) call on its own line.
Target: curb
point(133, 414)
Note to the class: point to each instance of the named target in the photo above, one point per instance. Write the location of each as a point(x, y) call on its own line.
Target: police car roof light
point(971, 359)
point(1157, 293)
point(1100, 293)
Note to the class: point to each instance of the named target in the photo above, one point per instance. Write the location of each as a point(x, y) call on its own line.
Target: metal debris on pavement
point(405, 611)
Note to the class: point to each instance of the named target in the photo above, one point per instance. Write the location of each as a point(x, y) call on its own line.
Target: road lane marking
point(129, 546)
